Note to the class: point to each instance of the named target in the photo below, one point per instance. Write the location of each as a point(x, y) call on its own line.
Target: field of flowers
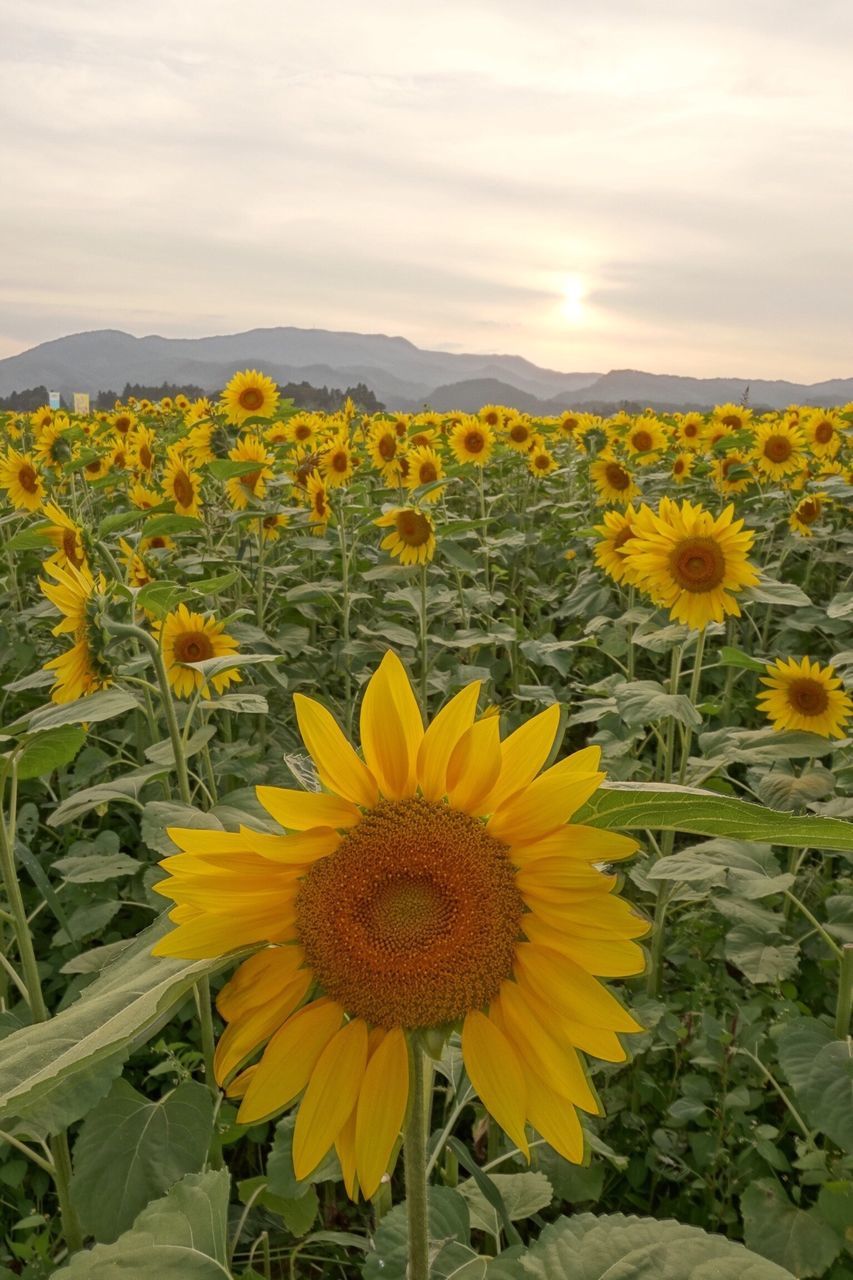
point(425, 843)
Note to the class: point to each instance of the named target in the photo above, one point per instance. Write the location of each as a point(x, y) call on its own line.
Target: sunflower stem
point(695, 681)
point(345, 613)
point(844, 1003)
point(424, 637)
point(414, 1154)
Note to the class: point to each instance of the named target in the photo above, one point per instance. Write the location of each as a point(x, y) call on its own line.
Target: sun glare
point(574, 292)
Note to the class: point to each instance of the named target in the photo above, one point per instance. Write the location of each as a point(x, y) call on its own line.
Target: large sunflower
point(645, 441)
point(472, 441)
point(249, 394)
point(20, 477)
point(425, 467)
point(822, 430)
point(690, 562)
point(251, 484)
point(779, 449)
point(412, 536)
point(805, 696)
point(181, 485)
point(190, 637)
point(337, 461)
point(434, 884)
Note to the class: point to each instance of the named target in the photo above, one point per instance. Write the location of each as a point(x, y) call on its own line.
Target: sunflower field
point(425, 843)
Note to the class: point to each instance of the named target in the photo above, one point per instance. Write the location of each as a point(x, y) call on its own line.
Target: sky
point(629, 184)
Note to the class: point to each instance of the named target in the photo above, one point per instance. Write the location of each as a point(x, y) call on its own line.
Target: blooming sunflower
point(807, 512)
point(20, 477)
point(142, 497)
point(190, 637)
point(65, 535)
point(270, 526)
point(822, 433)
point(251, 484)
point(733, 472)
point(318, 501)
point(425, 467)
point(42, 418)
point(82, 669)
point(690, 430)
point(779, 449)
point(519, 433)
point(472, 441)
point(138, 573)
point(690, 562)
point(435, 883)
point(492, 415)
point(412, 536)
point(682, 465)
point(304, 428)
point(540, 459)
point(614, 483)
point(123, 422)
point(383, 445)
point(805, 696)
point(51, 448)
point(733, 417)
point(249, 394)
point(141, 444)
point(616, 530)
point(336, 462)
point(645, 441)
point(181, 485)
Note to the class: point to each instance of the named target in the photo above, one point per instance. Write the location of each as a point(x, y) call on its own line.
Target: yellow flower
point(645, 441)
point(690, 430)
point(492, 415)
point(336, 462)
point(198, 446)
point(519, 433)
point(806, 513)
point(804, 696)
point(572, 424)
point(42, 418)
point(424, 467)
point(614, 533)
point(77, 673)
point(142, 497)
point(318, 501)
point(20, 477)
point(691, 563)
point(822, 430)
point(72, 594)
point(123, 422)
point(138, 574)
point(779, 449)
point(197, 412)
point(51, 448)
point(733, 417)
point(384, 446)
point(682, 465)
point(540, 460)
point(142, 448)
point(614, 483)
point(96, 468)
point(252, 484)
point(82, 669)
point(412, 536)
point(733, 472)
point(249, 394)
point(303, 428)
point(66, 536)
point(271, 526)
point(472, 441)
point(435, 883)
point(182, 485)
point(190, 637)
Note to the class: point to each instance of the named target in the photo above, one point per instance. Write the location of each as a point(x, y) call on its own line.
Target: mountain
point(401, 374)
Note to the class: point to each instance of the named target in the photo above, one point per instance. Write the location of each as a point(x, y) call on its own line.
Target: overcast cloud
point(650, 185)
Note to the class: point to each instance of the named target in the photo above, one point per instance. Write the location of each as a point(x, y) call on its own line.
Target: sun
point(573, 291)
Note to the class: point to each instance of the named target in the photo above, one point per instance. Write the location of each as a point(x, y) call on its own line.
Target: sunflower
point(614, 533)
point(682, 465)
point(82, 669)
point(690, 562)
point(689, 431)
point(472, 441)
point(278, 434)
point(807, 512)
point(190, 637)
point(614, 483)
point(423, 438)
point(251, 484)
point(181, 485)
point(412, 536)
point(249, 394)
point(123, 422)
point(304, 428)
point(435, 884)
point(492, 415)
point(96, 467)
point(138, 574)
point(571, 424)
point(270, 526)
point(141, 444)
point(822, 430)
point(197, 412)
point(733, 417)
point(804, 696)
point(540, 460)
point(779, 449)
point(78, 672)
point(42, 418)
point(645, 441)
point(198, 445)
point(142, 497)
point(733, 472)
point(424, 467)
point(65, 535)
point(336, 462)
point(51, 448)
point(318, 501)
point(383, 446)
point(20, 477)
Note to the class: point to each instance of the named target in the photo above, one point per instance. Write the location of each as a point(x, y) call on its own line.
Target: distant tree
point(330, 399)
point(171, 389)
point(25, 401)
point(106, 399)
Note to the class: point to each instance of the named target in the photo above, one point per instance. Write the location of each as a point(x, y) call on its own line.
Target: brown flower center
point(617, 477)
point(182, 487)
point(475, 441)
point(778, 448)
point(809, 697)
point(193, 646)
point(519, 433)
point(642, 441)
point(250, 399)
point(122, 424)
point(146, 459)
point(387, 447)
point(93, 468)
point(732, 420)
point(427, 473)
point(412, 527)
point(809, 510)
point(414, 919)
point(250, 479)
point(622, 537)
point(28, 479)
point(823, 432)
point(698, 564)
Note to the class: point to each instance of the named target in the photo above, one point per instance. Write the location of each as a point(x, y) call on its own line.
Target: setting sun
point(573, 294)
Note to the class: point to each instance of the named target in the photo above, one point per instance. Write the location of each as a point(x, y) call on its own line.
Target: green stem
point(345, 615)
point(695, 681)
point(414, 1153)
point(261, 602)
point(815, 923)
point(844, 1003)
point(483, 536)
point(424, 637)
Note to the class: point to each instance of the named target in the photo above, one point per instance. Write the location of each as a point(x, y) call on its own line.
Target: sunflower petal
point(555, 1119)
point(381, 1109)
point(300, 810)
point(546, 804)
point(441, 737)
point(289, 1059)
point(338, 766)
point(248, 1031)
point(494, 1071)
point(558, 1065)
point(523, 754)
point(474, 765)
point(571, 990)
point(391, 729)
point(258, 979)
point(330, 1097)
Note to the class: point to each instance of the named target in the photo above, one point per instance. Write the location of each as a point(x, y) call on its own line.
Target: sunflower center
point(569, 424)
point(823, 432)
point(413, 528)
point(93, 467)
point(808, 510)
point(339, 461)
point(698, 564)
point(250, 399)
point(809, 697)
point(678, 466)
point(622, 537)
point(690, 430)
point(777, 448)
point(542, 461)
point(69, 547)
point(519, 433)
point(250, 479)
point(193, 646)
point(414, 919)
point(122, 424)
point(731, 420)
point(183, 489)
point(387, 447)
point(642, 441)
point(492, 419)
point(427, 473)
point(146, 459)
point(27, 478)
point(475, 442)
point(617, 477)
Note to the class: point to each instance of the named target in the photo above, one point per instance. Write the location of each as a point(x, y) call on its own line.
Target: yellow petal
point(345, 1148)
point(545, 874)
point(572, 990)
point(474, 765)
point(523, 754)
point(306, 846)
point(441, 737)
point(207, 936)
point(391, 729)
point(330, 1097)
point(558, 1065)
point(258, 979)
point(381, 1109)
point(605, 957)
point(289, 1059)
point(300, 810)
point(555, 1120)
point(545, 805)
point(203, 840)
point(574, 1035)
point(578, 842)
point(602, 917)
point(338, 766)
point(494, 1071)
point(252, 1028)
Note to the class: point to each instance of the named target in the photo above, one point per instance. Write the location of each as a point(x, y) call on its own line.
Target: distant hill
point(400, 375)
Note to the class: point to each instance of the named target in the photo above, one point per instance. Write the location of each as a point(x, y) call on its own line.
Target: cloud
point(436, 172)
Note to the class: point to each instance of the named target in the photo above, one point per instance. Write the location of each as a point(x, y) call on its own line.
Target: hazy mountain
point(400, 374)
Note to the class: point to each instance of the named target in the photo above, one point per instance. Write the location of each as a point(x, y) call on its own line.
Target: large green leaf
point(448, 1222)
point(48, 751)
point(52, 1073)
point(797, 1239)
point(635, 806)
point(103, 705)
point(522, 1194)
point(586, 1247)
point(180, 1237)
point(131, 1150)
point(820, 1071)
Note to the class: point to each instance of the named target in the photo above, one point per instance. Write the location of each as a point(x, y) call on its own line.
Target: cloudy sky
point(627, 184)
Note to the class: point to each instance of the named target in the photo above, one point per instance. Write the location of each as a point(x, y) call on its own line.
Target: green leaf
point(126, 789)
point(614, 1247)
point(835, 1206)
point(448, 1221)
point(160, 597)
point(252, 704)
point(795, 1238)
point(281, 1178)
point(50, 750)
point(227, 468)
point(646, 702)
point(159, 815)
point(131, 1150)
point(522, 1194)
point(731, 657)
point(820, 1071)
point(760, 958)
point(165, 525)
point(211, 667)
point(103, 705)
point(52, 1073)
point(183, 1236)
point(636, 806)
point(769, 591)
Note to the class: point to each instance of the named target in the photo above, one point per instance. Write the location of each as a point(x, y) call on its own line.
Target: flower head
point(249, 394)
point(412, 536)
point(805, 696)
point(188, 637)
